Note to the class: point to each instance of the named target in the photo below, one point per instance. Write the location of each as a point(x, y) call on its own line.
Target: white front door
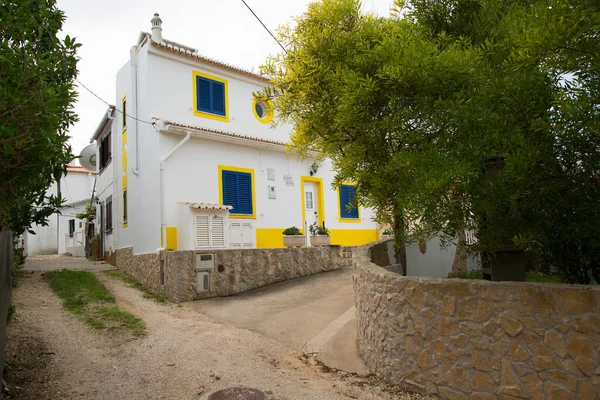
point(310, 203)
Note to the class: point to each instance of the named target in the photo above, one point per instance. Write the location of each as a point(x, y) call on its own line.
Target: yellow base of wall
point(171, 238)
point(273, 237)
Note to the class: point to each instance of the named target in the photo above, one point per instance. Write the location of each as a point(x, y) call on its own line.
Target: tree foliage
point(456, 114)
point(37, 71)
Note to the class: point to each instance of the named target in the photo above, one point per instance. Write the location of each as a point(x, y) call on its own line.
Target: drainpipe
point(134, 111)
point(163, 226)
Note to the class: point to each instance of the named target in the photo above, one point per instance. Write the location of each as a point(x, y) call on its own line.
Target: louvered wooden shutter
point(347, 197)
point(202, 225)
point(217, 97)
point(230, 190)
point(203, 94)
point(217, 228)
point(244, 193)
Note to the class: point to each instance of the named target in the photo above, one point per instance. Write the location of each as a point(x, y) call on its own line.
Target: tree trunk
point(460, 257)
point(400, 240)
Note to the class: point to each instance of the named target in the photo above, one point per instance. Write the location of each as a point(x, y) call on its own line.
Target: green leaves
point(37, 95)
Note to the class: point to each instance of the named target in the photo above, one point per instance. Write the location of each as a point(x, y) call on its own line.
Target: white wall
point(171, 76)
point(191, 174)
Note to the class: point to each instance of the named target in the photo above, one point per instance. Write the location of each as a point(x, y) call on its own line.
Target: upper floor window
point(237, 191)
point(105, 151)
point(210, 97)
point(109, 214)
point(348, 203)
point(263, 111)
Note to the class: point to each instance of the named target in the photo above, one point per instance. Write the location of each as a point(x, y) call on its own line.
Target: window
point(210, 97)
point(124, 206)
point(124, 115)
point(348, 204)
point(263, 111)
point(105, 151)
point(109, 214)
point(237, 190)
point(71, 227)
point(209, 230)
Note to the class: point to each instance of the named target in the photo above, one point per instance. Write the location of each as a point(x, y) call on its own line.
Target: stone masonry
point(235, 271)
point(238, 271)
point(476, 339)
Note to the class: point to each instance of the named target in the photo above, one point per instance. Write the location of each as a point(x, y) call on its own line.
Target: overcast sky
point(224, 30)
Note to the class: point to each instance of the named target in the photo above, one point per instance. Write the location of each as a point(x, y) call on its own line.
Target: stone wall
point(238, 271)
point(145, 268)
point(477, 339)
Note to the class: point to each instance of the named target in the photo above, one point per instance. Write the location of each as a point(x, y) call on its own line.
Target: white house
point(64, 232)
point(188, 160)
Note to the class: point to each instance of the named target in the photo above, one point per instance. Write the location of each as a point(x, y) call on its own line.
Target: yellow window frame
point(203, 114)
point(268, 110)
point(339, 201)
point(250, 171)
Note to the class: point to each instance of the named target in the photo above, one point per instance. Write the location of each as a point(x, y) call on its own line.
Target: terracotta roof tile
point(181, 49)
point(76, 169)
point(225, 133)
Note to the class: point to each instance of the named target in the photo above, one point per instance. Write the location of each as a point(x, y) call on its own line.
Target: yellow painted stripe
point(353, 237)
point(268, 238)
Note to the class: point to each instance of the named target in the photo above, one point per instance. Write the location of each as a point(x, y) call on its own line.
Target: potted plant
point(292, 237)
point(319, 235)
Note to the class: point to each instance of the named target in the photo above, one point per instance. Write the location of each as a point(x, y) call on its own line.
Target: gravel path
point(184, 355)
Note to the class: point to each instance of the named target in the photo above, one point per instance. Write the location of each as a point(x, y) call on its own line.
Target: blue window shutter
point(244, 193)
point(237, 192)
point(203, 94)
point(347, 196)
point(230, 190)
point(217, 97)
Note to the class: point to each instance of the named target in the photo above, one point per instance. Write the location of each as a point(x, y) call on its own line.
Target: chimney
point(156, 29)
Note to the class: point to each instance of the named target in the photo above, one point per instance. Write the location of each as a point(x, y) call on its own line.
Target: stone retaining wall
point(145, 268)
point(238, 271)
point(477, 339)
point(235, 271)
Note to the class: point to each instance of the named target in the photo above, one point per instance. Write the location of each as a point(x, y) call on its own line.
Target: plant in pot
point(319, 235)
point(292, 237)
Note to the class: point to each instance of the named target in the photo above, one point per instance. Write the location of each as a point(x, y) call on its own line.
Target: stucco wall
point(477, 339)
point(238, 271)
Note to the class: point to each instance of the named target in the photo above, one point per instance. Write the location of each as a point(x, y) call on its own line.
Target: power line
point(264, 26)
point(110, 105)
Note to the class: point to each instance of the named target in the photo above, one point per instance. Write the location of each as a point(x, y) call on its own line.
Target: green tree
point(37, 94)
point(363, 90)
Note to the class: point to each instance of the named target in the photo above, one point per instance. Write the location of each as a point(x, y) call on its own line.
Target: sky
point(224, 30)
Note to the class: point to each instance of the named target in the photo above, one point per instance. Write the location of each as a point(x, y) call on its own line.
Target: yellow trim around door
point(320, 198)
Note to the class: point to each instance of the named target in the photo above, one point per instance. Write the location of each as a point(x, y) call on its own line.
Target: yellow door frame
point(320, 198)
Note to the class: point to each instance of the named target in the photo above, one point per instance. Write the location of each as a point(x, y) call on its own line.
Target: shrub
point(293, 231)
point(318, 230)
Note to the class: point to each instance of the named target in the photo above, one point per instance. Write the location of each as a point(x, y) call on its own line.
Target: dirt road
point(184, 355)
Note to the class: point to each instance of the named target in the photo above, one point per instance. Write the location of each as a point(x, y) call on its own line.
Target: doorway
point(312, 201)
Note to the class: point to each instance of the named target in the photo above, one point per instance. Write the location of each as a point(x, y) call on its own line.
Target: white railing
point(75, 240)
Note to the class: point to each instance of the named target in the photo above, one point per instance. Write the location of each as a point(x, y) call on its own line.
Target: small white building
point(64, 232)
point(188, 160)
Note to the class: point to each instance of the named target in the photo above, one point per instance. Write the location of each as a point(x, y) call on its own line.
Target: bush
point(318, 230)
point(293, 231)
